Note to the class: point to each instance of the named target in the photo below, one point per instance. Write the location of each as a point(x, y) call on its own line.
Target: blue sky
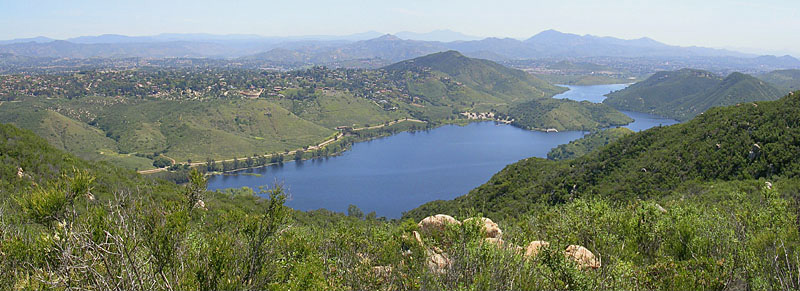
point(754, 25)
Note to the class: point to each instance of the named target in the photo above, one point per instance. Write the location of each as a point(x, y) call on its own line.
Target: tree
point(161, 162)
point(354, 211)
point(195, 189)
point(249, 162)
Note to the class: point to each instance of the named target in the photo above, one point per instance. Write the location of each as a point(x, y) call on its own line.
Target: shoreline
point(457, 122)
point(339, 135)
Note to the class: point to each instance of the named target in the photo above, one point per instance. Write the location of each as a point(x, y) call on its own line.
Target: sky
point(758, 26)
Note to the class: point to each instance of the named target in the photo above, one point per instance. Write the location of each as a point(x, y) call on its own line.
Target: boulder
point(582, 256)
point(436, 223)
point(535, 247)
point(438, 262)
point(491, 229)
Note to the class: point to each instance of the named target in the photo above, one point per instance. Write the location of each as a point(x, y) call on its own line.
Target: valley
point(274, 145)
point(444, 162)
point(130, 117)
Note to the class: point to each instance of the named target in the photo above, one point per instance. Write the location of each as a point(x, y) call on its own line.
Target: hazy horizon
point(765, 27)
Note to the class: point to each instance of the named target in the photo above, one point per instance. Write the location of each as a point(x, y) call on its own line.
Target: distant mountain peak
point(440, 35)
point(451, 53)
point(551, 35)
point(551, 32)
point(387, 37)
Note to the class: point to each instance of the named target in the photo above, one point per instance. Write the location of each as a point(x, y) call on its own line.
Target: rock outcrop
point(490, 228)
point(582, 256)
point(439, 262)
point(436, 223)
point(535, 247)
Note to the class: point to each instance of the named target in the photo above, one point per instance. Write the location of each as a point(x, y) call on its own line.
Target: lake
point(596, 94)
point(398, 173)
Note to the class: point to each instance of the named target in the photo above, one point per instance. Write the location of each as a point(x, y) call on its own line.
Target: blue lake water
point(398, 173)
point(596, 94)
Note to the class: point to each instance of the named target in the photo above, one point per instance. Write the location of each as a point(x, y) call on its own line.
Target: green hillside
point(455, 82)
point(788, 80)
point(686, 93)
point(717, 229)
point(588, 143)
point(332, 109)
point(483, 76)
point(131, 117)
point(68, 134)
point(734, 89)
point(215, 129)
point(562, 114)
point(753, 141)
point(127, 132)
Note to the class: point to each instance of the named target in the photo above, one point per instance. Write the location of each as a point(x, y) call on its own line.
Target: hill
point(477, 85)
point(752, 141)
point(563, 114)
point(130, 132)
point(587, 144)
point(68, 134)
point(141, 233)
point(685, 93)
point(130, 117)
point(783, 79)
point(482, 75)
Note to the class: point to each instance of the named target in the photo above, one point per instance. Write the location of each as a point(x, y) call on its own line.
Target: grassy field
point(332, 109)
point(216, 129)
point(181, 130)
point(68, 134)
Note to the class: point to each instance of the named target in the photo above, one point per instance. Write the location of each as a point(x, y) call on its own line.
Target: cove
point(400, 172)
point(596, 94)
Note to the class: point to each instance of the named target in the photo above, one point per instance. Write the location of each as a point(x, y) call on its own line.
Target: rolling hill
point(483, 76)
point(686, 93)
point(469, 84)
point(180, 130)
point(783, 79)
point(123, 120)
point(663, 209)
point(587, 144)
point(563, 114)
point(753, 141)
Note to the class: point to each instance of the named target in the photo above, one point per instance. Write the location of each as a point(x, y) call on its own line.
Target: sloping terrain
point(752, 141)
point(685, 93)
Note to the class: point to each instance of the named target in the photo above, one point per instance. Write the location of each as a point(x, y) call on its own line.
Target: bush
point(161, 162)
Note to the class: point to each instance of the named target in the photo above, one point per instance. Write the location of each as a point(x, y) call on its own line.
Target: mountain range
point(369, 45)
